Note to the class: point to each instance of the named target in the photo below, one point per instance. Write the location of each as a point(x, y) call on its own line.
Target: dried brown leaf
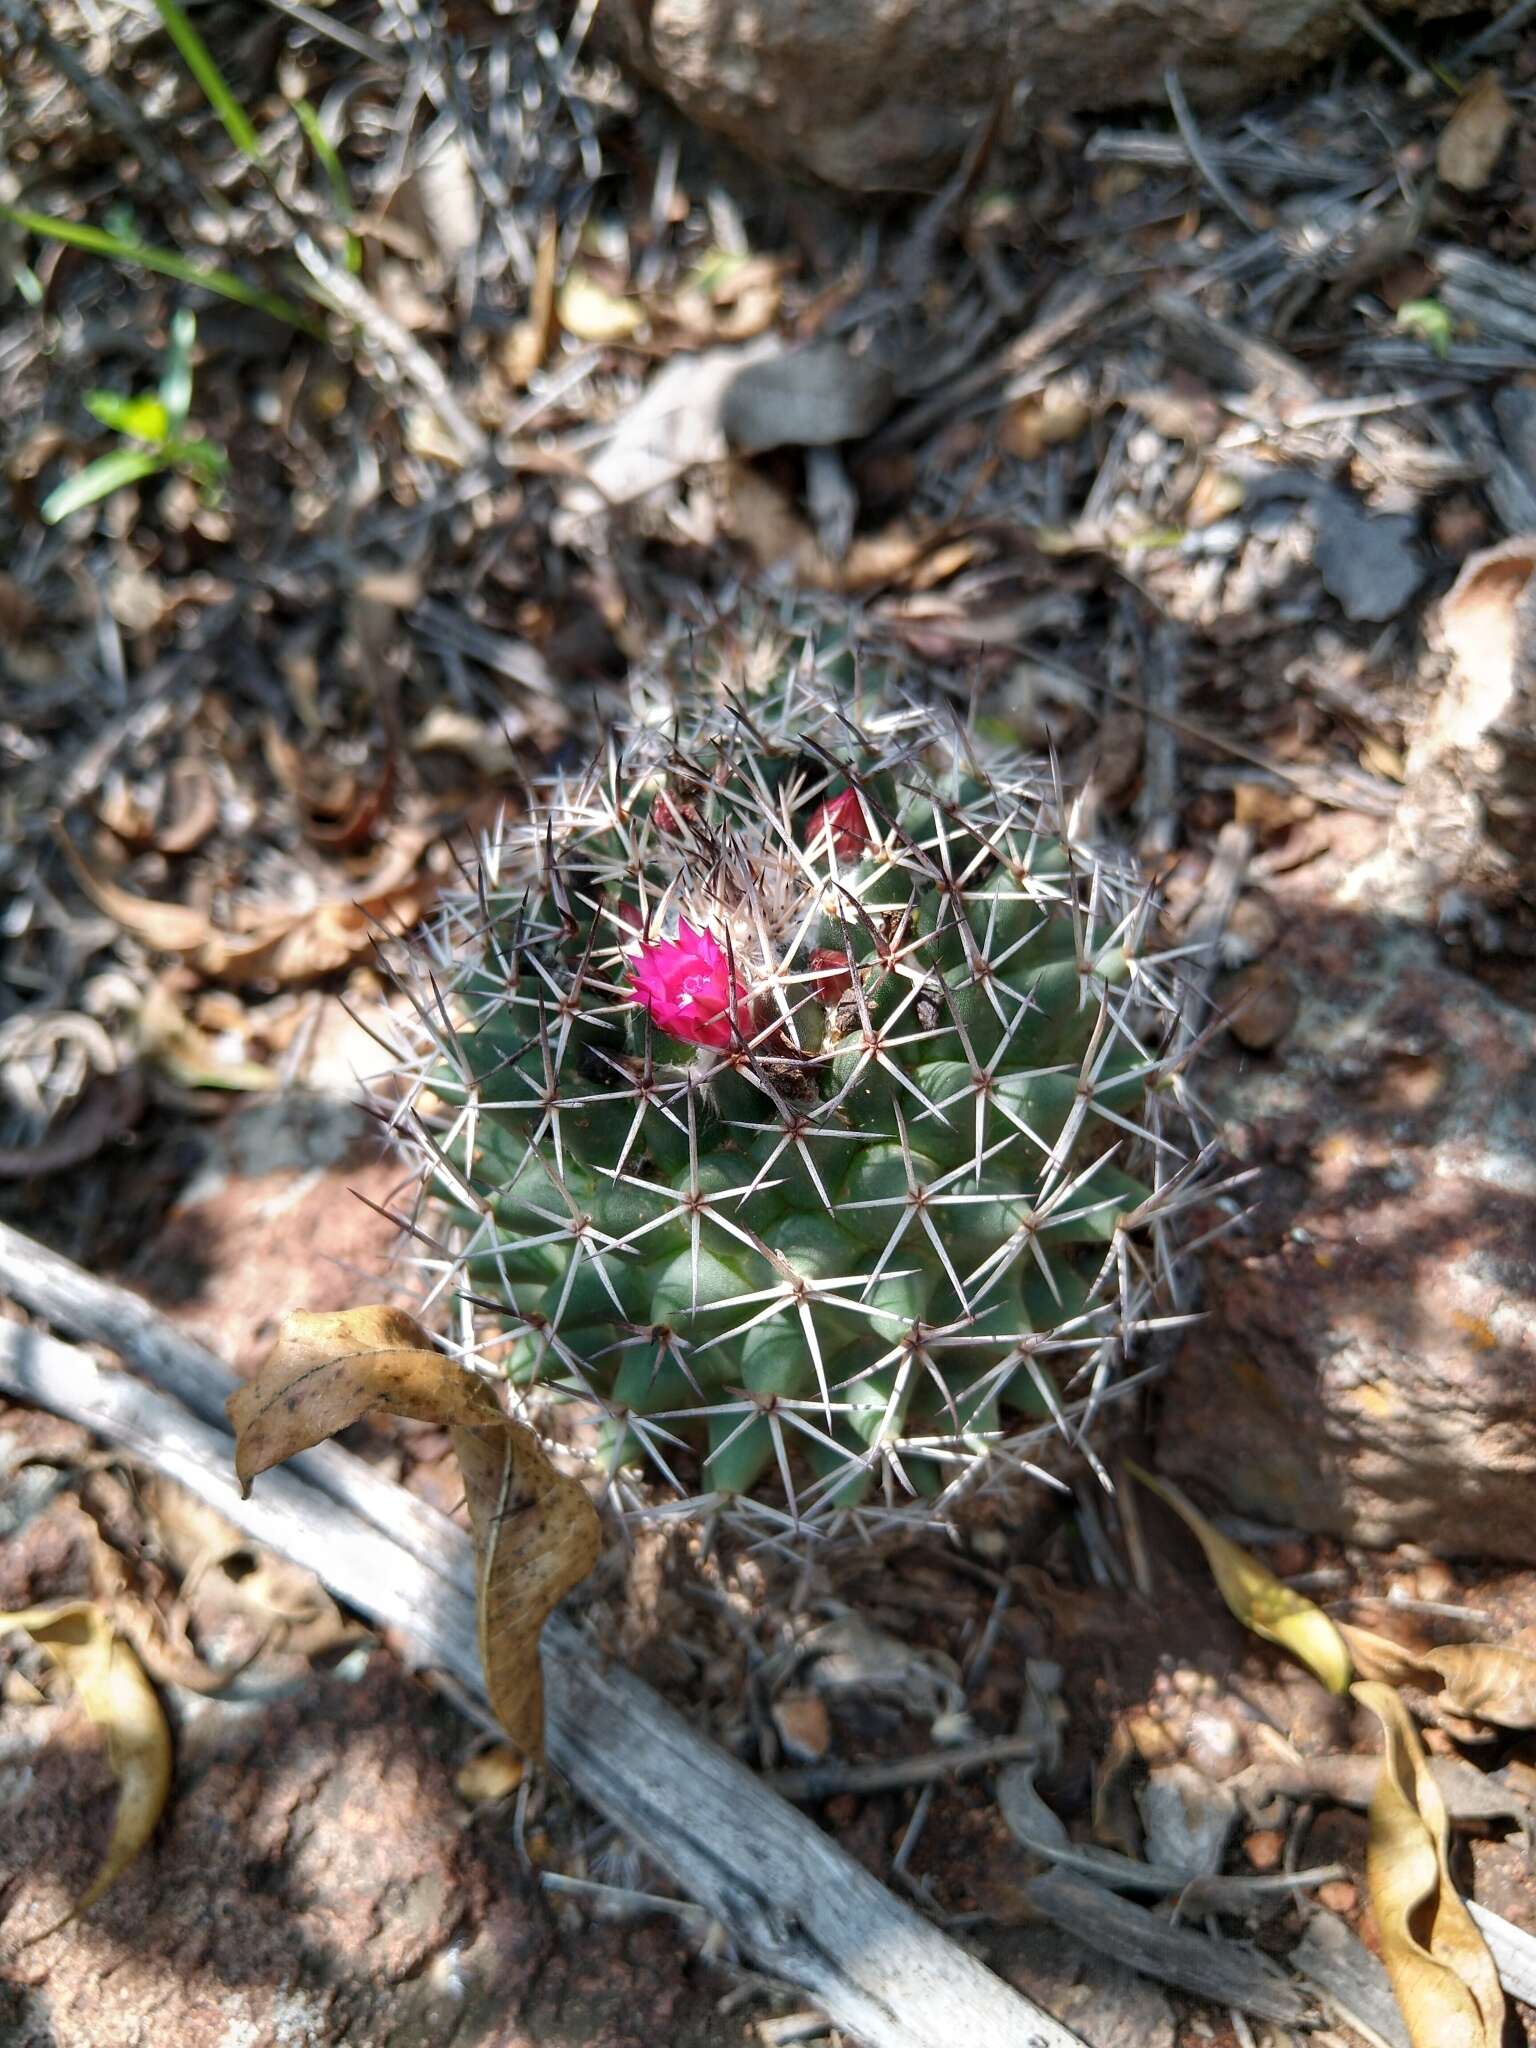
point(1481, 1681)
point(111, 1686)
point(1442, 1975)
point(1045, 419)
point(766, 521)
point(728, 299)
point(1487, 1682)
point(268, 945)
point(493, 1774)
point(165, 927)
point(536, 1532)
point(1475, 135)
point(190, 810)
point(188, 1055)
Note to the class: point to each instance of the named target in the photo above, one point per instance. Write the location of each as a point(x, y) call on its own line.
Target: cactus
point(803, 1108)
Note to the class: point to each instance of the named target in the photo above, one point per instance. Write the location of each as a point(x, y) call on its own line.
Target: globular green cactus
point(803, 1106)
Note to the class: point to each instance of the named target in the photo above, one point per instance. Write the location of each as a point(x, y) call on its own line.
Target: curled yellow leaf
point(1442, 1975)
point(110, 1683)
point(1256, 1596)
point(536, 1532)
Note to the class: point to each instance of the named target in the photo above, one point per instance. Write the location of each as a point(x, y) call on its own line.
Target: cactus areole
point(803, 1110)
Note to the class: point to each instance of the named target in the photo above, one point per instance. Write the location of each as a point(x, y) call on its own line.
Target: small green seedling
point(1429, 321)
point(153, 427)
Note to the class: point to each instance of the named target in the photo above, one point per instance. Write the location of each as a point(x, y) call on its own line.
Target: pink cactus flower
point(840, 818)
point(687, 986)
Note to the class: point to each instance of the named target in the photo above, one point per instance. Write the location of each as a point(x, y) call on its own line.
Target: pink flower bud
point(840, 819)
point(686, 985)
point(671, 816)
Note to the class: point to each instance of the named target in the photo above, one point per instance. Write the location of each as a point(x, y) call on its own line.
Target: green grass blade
point(198, 59)
point(166, 261)
point(330, 162)
point(99, 479)
point(336, 176)
point(142, 419)
point(206, 459)
point(176, 381)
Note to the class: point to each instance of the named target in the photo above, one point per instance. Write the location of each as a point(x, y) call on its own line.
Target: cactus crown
point(803, 1108)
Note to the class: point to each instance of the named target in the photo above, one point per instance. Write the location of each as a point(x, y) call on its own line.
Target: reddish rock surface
point(884, 94)
point(313, 1882)
point(269, 1219)
point(1368, 1368)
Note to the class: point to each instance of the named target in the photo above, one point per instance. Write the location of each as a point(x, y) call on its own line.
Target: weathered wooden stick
point(789, 1896)
point(1218, 1970)
point(101, 1312)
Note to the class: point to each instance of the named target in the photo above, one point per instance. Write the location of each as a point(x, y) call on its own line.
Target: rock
point(883, 95)
point(1367, 1366)
point(1261, 1005)
point(314, 1884)
point(1338, 1896)
point(804, 1725)
point(271, 1220)
point(1366, 560)
point(1188, 1820)
point(1264, 1848)
point(810, 397)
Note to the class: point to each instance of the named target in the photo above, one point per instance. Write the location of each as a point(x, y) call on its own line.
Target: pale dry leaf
point(536, 1532)
point(164, 927)
point(1480, 1681)
point(741, 305)
point(110, 1684)
point(673, 427)
point(191, 1059)
point(190, 810)
point(1487, 1682)
point(1475, 135)
point(1256, 1596)
point(528, 344)
point(588, 311)
point(1442, 1975)
point(1045, 419)
point(449, 200)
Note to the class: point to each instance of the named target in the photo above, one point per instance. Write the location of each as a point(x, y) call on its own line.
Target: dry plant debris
point(536, 1532)
point(1439, 1963)
point(1176, 466)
